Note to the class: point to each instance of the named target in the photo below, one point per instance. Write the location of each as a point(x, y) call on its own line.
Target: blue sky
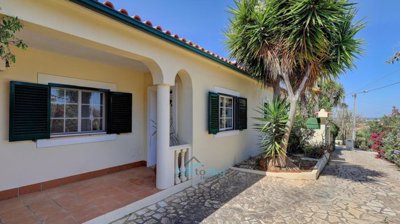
point(204, 22)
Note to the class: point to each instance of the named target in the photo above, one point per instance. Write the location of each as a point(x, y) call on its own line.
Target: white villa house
point(99, 90)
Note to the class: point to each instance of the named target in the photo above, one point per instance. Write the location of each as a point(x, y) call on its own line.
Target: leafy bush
point(334, 130)
point(376, 138)
point(8, 27)
point(391, 145)
point(315, 150)
point(363, 139)
point(299, 136)
point(272, 128)
point(385, 137)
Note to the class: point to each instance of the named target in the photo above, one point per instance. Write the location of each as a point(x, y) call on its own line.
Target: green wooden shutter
point(119, 113)
point(241, 113)
point(213, 113)
point(29, 111)
point(313, 123)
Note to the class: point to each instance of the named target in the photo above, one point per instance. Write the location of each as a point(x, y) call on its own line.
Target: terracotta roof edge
point(107, 8)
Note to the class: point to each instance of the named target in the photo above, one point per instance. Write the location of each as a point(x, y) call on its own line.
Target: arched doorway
point(181, 118)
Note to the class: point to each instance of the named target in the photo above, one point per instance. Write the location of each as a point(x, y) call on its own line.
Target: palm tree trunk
point(289, 127)
point(276, 88)
point(294, 98)
point(303, 103)
point(316, 105)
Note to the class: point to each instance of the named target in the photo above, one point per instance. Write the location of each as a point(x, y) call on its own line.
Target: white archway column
point(165, 159)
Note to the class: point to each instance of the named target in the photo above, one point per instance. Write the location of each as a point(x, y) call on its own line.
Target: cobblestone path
point(354, 188)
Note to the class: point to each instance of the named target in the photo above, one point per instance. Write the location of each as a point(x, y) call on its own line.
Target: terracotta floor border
point(16, 192)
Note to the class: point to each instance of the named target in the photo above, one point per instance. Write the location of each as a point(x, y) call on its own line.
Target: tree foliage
point(8, 28)
point(328, 95)
point(343, 118)
point(297, 41)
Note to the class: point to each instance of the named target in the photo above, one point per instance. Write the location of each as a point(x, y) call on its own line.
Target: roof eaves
point(122, 16)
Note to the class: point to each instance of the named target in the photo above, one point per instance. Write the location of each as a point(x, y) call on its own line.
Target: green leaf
point(8, 29)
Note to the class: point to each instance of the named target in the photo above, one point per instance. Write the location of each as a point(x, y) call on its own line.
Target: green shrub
point(299, 136)
point(363, 139)
point(272, 128)
point(315, 150)
point(391, 145)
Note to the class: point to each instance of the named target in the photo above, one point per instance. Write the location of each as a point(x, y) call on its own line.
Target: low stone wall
point(306, 175)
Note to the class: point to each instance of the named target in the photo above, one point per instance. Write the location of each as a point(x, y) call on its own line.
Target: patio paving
point(80, 201)
point(354, 188)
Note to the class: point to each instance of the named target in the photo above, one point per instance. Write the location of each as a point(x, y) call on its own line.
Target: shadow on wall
point(339, 168)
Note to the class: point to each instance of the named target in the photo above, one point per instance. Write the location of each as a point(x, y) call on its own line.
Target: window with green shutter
point(241, 113)
point(226, 112)
point(29, 111)
point(213, 113)
point(42, 111)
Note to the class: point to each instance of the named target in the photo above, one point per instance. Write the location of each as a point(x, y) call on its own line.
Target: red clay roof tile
point(137, 18)
point(124, 11)
point(149, 23)
point(109, 4)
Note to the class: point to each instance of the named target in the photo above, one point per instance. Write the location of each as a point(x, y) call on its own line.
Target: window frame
point(80, 89)
point(222, 95)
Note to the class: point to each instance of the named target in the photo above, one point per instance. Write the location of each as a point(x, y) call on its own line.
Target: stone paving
point(354, 188)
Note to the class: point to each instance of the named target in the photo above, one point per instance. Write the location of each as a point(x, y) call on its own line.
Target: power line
point(378, 79)
point(378, 88)
point(355, 103)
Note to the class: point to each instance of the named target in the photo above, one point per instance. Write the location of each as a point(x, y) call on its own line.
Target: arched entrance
point(179, 119)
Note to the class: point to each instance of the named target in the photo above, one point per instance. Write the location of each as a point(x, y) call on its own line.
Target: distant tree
point(332, 93)
point(343, 118)
point(395, 111)
point(375, 126)
point(328, 95)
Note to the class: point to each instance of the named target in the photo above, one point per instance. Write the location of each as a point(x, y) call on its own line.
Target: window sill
point(73, 140)
point(227, 133)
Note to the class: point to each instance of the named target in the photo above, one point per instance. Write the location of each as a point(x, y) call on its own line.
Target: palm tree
point(247, 43)
point(328, 94)
point(343, 118)
point(332, 94)
point(297, 41)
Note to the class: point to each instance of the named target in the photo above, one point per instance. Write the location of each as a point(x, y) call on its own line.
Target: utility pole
point(354, 118)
